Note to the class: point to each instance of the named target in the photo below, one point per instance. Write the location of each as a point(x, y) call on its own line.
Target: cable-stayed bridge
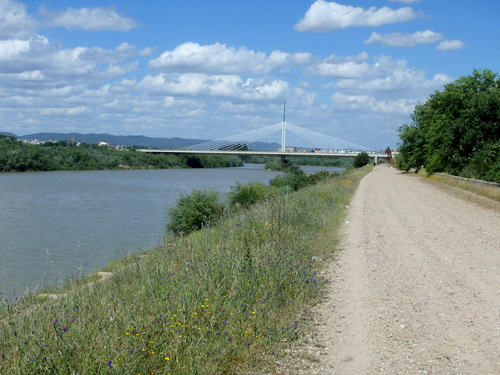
point(313, 143)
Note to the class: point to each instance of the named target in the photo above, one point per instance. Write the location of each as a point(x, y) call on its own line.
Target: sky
point(209, 69)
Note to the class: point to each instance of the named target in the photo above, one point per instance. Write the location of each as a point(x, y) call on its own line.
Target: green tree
point(452, 129)
point(361, 160)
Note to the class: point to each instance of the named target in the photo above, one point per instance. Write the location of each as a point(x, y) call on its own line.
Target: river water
point(55, 224)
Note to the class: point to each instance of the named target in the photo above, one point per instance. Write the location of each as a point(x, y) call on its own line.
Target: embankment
point(217, 301)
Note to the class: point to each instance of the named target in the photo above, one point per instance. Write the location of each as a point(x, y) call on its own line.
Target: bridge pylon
point(283, 130)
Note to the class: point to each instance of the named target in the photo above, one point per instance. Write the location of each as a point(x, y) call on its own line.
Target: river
point(54, 225)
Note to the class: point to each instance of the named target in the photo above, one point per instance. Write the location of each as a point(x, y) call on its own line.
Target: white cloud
point(405, 40)
point(147, 51)
point(220, 59)
point(199, 84)
point(450, 45)
point(301, 58)
point(367, 103)
point(89, 19)
point(343, 66)
point(10, 49)
point(384, 86)
point(401, 81)
point(34, 75)
point(73, 111)
point(14, 21)
point(50, 61)
point(326, 16)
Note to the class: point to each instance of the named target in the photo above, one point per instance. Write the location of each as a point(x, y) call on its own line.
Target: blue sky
point(208, 69)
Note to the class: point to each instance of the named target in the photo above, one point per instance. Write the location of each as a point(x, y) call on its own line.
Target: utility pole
point(283, 130)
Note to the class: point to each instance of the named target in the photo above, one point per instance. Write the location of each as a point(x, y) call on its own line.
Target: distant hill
point(9, 134)
point(123, 140)
point(131, 140)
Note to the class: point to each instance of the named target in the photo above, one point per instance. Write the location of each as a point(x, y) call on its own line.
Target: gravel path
point(416, 287)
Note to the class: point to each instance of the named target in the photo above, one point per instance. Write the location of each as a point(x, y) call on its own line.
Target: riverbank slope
point(219, 301)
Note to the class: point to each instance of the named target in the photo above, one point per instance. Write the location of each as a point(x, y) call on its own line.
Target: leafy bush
point(361, 160)
point(194, 211)
point(244, 195)
point(319, 176)
point(276, 165)
point(294, 177)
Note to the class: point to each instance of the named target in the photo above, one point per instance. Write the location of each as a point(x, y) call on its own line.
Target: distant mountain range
point(130, 140)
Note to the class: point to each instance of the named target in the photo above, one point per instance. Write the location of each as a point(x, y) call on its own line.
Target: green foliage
point(361, 160)
point(279, 164)
point(19, 156)
point(294, 178)
point(213, 161)
point(340, 162)
point(194, 211)
point(245, 195)
point(320, 176)
point(457, 130)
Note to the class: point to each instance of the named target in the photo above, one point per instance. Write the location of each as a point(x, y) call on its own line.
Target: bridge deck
point(259, 153)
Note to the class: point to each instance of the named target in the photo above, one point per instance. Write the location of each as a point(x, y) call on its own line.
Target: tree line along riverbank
point(19, 156)
point(222, 299)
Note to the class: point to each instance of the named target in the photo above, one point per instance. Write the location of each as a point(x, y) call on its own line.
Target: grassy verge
point(213, 302)
point(482, 194)
point(485, 190)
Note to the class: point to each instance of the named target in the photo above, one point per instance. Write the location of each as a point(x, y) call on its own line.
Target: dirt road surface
point(416, 286)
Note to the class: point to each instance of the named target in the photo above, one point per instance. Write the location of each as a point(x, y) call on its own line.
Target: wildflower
point(167, 359)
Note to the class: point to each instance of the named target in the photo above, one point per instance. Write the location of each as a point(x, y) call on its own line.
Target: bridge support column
point(283, 131)
point(283, 137)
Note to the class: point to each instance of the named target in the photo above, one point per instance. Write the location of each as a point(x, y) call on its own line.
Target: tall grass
point(482, 189)
point(213, 302)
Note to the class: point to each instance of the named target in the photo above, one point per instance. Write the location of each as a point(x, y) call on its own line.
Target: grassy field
point(218, 301)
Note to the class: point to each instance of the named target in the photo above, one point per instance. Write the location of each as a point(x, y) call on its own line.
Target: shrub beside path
point(416, 286)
